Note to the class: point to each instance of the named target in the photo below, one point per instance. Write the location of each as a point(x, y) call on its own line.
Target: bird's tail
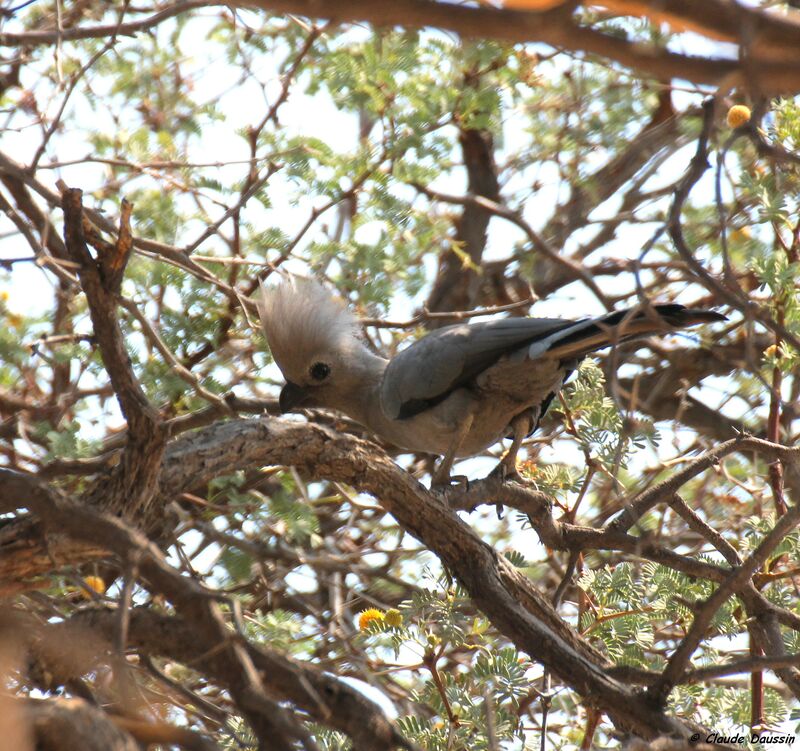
point(623, 326)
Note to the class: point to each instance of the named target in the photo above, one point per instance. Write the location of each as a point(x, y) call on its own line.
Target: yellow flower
point(372, 615)
point(4, 296)
point(738, 115)
point(774, 351)
point(393, 618)
point(95, 583)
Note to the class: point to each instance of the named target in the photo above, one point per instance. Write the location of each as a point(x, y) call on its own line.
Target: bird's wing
point(425, 373)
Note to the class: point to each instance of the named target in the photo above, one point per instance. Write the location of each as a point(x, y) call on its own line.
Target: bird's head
point(313, 338)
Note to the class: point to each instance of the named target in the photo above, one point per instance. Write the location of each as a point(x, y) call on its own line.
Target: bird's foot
point(445, 482)
point(505, 471)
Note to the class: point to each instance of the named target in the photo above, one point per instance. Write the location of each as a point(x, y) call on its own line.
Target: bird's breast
point(510, 387)
point(517, 380)
point(499, 394)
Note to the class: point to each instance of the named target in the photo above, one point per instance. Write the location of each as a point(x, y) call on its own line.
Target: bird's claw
point(504, 472)
point(461, 482)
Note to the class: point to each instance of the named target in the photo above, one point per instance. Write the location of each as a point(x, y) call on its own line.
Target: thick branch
point(131, 487)
point(325, 697)
point(51, 36)
point(457, 282)
point(559, 29)
point(209, 631)
point(771, 39)
point(506, 596)
point(720, 19)
point(142, 417)
point(67, 724)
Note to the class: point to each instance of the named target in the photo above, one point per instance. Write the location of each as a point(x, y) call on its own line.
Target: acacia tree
point(183, 567)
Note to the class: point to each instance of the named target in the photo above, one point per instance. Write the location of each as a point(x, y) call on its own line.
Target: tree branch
point(702, 619)
point(457, 281)
point(558, 28)
point(131, 487)
point(67, 724)
point(209, 634)
point(505, 595)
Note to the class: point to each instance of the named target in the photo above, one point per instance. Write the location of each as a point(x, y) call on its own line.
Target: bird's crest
point(301, 320)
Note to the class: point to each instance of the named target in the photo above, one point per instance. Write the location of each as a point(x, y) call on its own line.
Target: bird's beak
point(292, 396)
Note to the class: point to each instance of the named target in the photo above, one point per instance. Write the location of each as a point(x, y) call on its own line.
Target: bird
point(453, 392)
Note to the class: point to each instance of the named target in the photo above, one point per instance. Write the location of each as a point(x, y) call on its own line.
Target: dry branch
point(768, 39)
point(130, 488)
point(247, 673)
point(507, 597)
point(68, 724)
point(457, 281)
point(759, 32)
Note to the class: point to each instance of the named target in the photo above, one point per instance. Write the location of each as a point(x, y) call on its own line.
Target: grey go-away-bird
point(455, 391)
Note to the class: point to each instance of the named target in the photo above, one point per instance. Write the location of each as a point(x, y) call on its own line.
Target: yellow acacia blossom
point(738, 115)
point(95, 583)
point(371, 615)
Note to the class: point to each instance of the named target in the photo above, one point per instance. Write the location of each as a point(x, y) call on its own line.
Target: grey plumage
point(453, 356)
point(455, 391)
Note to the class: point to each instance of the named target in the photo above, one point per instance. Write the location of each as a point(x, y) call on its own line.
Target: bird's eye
point(320, 371)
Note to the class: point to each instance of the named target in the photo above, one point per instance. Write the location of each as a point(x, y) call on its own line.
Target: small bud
point(393, 618)
point(738, 115)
